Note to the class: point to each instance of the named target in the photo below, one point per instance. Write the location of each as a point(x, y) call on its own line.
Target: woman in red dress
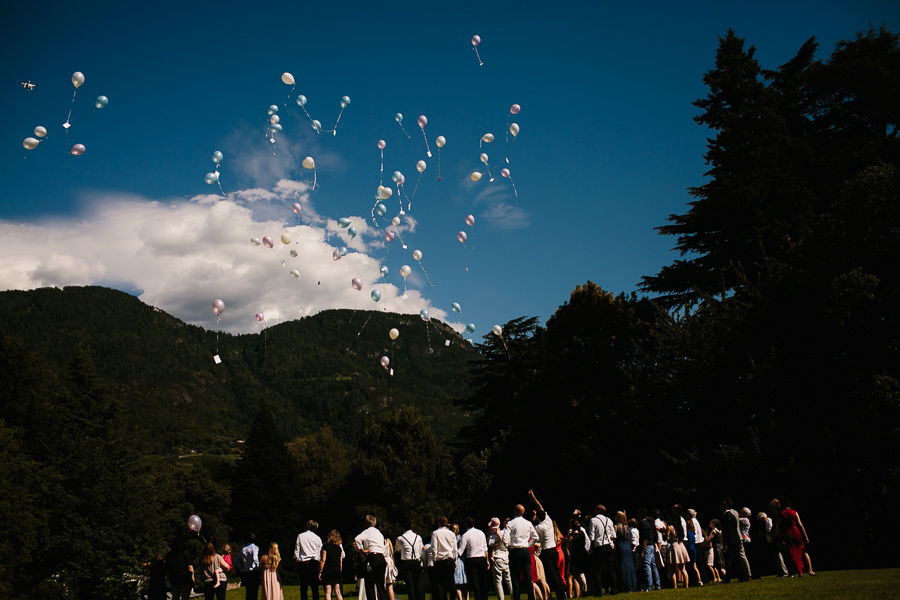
point(793, 534)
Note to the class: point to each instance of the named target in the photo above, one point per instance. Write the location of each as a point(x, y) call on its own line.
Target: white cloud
point(182, 255)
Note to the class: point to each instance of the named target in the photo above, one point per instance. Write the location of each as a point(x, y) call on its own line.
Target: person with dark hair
point(473, 550)
point(548, 556)
point(794, 536)
point(716, 561)
point(519, 536)
point(180, 571)
point(579, 544)
point(248, 567)
point(647, 538)
point(213, 565)
point(409, 548)
point(307, 553)
point(443, 554)
point(603, 553)
point(370, 544)
point(735, 558)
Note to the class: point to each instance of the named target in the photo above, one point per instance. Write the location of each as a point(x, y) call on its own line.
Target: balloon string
point(75, 93)
point(478, 56)
point(439, 164)
point(289, 95)
point(427, 149)
point(334, 131)
point(404, 129)
point(428, 334)
point(381, 180)
point(415, 189)
point(426, 274)
point(364, 325)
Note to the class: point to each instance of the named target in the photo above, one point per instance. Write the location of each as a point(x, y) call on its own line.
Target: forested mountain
point(320, 370)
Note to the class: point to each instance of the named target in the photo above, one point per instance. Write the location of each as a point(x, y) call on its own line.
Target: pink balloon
point(514, 109)
point(296, 208)
point(389, 235)
point(195, 523)
point(505, 172)
point(260, 317)
point(218, 307)
point(461, 236)
point(423, 121)
point(268, 242)
point(402, 179)
point(470, 220)
point(336, 255)
point(476, 39)
point(77, 150)
point(385, 361)
point(381, 144)
point(356, 283)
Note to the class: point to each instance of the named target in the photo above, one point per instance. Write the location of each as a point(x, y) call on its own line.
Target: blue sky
point(606, 150)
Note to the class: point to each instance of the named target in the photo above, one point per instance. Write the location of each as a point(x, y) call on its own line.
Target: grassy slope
point(843, 585)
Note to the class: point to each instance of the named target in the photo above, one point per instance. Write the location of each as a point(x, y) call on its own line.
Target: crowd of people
point(527, 553)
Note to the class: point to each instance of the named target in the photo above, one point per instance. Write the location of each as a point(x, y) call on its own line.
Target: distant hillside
point(317, 370)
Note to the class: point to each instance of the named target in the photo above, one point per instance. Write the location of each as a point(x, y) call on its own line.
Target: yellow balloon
point(285, 238)
point(394, 334)
point(287, 78)
point(488, 138)
point(77, 79)
point(476, 176)
point(309, 163)
point(514, 129)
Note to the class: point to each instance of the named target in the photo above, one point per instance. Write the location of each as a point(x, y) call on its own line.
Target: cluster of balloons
point(383, 194)
point(40, 132)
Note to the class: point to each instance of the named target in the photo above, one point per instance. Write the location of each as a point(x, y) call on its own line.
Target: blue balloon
point(456, 307)
point(352, 232)
point(424, 314)
point(376, 295)
point(344, 222)
point(343, 250)
point(470, 328)
point(384, 272)
point(381, 210)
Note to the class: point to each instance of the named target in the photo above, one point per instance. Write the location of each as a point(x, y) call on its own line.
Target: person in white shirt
point(499, 558)
point(519, 536)
point(549, 554)
point(443, 554)
point(248, 567)
point(370, 543)
point(473, 550)
point(307, 552)
point(602, 559)
point(409, 550)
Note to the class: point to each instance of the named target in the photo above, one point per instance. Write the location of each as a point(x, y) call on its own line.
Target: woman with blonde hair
point(271, 578)
point(625, 554)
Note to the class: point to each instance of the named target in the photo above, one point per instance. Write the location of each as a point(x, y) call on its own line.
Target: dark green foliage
point(314, 371)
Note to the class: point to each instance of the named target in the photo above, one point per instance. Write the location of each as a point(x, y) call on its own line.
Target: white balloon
point(287, 78)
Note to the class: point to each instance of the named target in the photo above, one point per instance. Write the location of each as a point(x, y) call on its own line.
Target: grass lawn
point(843, 585)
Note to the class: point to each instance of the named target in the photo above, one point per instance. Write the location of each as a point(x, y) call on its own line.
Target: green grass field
point(827, 585)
